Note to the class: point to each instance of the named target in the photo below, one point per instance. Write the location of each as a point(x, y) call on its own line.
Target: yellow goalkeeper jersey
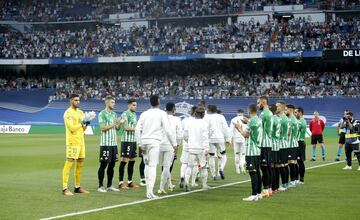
point(74, 128)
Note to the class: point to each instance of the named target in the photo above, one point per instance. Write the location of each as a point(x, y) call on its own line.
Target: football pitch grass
point(30, 188)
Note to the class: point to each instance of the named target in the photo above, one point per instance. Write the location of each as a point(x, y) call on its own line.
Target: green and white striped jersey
point(267, 125)
point(302, 130)
point(284, 131)
point(108, 138)
point(294, 129)
point(131, 120)
point(252, 147)
point(276, 133)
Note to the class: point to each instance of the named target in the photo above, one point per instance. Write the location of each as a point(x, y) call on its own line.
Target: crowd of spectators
point(75, 10)
point(217, 86)
point(339, 4)
point(295, 35)
point(52, 10)
point(301, 34)
point(116, 41)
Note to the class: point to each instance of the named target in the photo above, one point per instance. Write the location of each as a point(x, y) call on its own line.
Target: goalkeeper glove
point(89, 116)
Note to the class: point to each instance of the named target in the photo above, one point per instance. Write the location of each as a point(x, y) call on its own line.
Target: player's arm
point(179, 132)
point(186, 135)
point(289, 128)
point(107, 127)
point(70, 124)
point(349, 124)
point(304, 126)
point(205, 140)
point(178, 135)
point(244, 132)
point(102, 123)
point(226, 130)
point(126, 123)
point(342, 124)
point(311, 126)
point(209, 127)
point(139, 129)
point(244, 120)
point(127, 128)
point(232, 129)
point(119, 122)
point(85, 125)
point(166, 126)
point(231, 126)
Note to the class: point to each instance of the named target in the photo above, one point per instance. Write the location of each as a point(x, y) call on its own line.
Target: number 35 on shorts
point(75, 152)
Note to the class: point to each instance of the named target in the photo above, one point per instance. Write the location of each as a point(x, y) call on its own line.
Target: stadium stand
point(66, 10)
point(297, 34)
point(60, 10)
point(198, 86)
point(115, 41)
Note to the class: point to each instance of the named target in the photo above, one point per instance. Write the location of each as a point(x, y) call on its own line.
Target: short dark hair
point(273, 108)
point(300, 109)
point(170, 106)
point(290, 106)
point(200, 111)
point(109, 97)
point(219, 111)
point(202, 102)
point(130, 101)
point(212, 108)
point(240, 110)
point(252, 108)
point(73, 95)
point(281, 102)
point(193, 109)
point(154, 100)
point(350, 113)
point(264, 97)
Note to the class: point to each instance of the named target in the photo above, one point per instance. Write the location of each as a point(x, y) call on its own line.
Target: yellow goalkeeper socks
point(78, 171)
point(66, 171)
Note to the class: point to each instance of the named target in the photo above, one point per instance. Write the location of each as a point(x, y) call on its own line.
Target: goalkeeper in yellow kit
point(75, 126)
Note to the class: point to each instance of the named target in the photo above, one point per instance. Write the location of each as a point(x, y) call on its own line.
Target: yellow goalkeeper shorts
point(75, 152)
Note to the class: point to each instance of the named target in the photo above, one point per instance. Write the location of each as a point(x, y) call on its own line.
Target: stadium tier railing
point(160, 58)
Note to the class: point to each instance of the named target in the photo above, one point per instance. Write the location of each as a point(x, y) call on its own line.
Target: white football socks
point(222, 162)
point(212, 165)
point(164, 177)
point(150, 175)
point(204, 176)
point(195, 171)
point(237, 160)
point(183, 170)
point(188, 175)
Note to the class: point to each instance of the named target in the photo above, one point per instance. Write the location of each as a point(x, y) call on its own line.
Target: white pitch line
point(165, 197)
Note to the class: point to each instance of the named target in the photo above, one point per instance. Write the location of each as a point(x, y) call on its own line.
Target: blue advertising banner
point(177, 57)
point(312, 54)
point(294, 54)
point(73, 60)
